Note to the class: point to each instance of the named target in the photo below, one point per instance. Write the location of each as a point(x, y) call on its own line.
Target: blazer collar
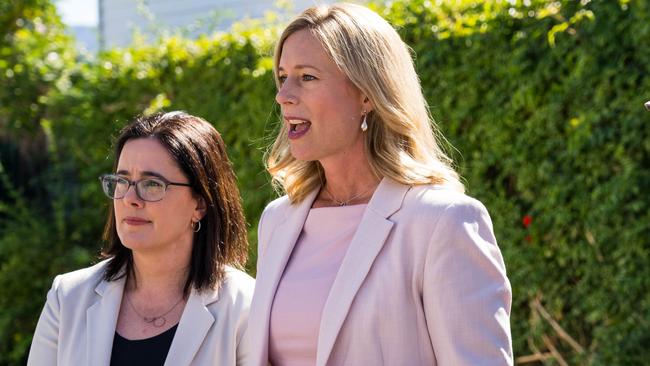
point(276, 256)
point(388, 197)
point(101, 320)
point(195, 323)
point(366, 244)
point(364, 247)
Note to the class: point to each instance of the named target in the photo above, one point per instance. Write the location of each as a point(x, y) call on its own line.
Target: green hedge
point(545, 104)
point(542, 101)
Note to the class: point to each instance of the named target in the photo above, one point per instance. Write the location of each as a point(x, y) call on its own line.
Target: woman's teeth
point(298, 125)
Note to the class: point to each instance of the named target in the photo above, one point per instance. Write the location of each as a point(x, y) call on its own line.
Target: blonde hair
point(401, 138)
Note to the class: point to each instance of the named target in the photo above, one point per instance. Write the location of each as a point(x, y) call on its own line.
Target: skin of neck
point(349, 175)
point(160, 274)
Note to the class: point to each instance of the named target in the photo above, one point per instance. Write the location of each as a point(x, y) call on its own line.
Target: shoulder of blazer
point(427, 208)
point(68, 284)
point(436, 199)
point(277, 207)
point(237, 287)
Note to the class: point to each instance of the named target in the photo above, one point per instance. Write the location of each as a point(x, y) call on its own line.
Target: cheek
point(119, 213)
point(332, 110)
point(175, 213)
point(341, 102)
point(117, 209)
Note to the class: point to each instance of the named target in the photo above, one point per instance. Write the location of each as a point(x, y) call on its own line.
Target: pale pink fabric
point(306, 283)
point(422, 283)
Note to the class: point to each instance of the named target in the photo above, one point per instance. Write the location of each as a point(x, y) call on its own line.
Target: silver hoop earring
point(364, 124)
point(196, 226)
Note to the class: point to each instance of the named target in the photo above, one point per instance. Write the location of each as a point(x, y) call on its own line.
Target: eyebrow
point(144, 173)
point(300, 67)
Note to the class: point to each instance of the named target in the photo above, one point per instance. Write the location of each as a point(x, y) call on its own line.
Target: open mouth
point(298, 127)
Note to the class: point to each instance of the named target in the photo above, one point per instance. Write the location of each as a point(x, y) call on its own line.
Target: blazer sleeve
point(244, 348)
point(244, 352)
point(466, 294)
point(233, 307)
point(44, 347)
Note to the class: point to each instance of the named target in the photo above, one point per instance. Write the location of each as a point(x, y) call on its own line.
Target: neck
point(158, 274)
point(352, 178)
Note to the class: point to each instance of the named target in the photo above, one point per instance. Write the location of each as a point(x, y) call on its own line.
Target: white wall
point(119, 18)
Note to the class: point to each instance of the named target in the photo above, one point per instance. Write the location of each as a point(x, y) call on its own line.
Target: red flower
point(527, 220)
point(528, 238)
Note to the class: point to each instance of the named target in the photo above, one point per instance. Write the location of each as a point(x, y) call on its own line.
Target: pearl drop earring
point(364, 124)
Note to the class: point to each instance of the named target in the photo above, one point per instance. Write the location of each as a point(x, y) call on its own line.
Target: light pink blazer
point(423, 282)
point(78, 322)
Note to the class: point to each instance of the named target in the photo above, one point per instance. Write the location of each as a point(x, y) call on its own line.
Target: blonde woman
point(374, 256)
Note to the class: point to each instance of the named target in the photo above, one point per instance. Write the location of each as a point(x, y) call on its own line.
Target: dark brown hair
point(199, 151)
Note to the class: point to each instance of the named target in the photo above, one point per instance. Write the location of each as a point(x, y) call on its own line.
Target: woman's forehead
point(301, 49)
point(147, 155)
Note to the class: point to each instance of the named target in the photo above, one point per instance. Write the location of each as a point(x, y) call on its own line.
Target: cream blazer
point(78, 322)
point(422, 283)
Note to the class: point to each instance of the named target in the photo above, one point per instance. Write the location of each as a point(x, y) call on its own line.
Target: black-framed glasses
point(148, 189)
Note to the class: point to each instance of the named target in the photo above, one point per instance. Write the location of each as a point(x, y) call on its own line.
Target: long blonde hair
point(401, 138)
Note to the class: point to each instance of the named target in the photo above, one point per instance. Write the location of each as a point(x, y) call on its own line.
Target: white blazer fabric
point(422, 283)
point(78, 322)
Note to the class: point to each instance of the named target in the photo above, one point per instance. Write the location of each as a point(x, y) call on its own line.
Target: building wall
point(86, 38)
point(120, 18)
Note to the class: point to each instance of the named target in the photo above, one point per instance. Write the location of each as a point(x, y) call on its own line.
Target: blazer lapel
point(276, 256)
point(195, 323)
point(364, 248)
point(101, 320)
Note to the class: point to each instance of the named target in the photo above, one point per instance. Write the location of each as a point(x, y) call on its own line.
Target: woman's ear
point(201, 209)
point(367, 105)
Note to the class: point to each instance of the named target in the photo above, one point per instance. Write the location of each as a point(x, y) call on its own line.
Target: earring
point(196, 226)
point(364, 124)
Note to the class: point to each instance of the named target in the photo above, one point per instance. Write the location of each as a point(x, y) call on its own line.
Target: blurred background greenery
point(542, 101)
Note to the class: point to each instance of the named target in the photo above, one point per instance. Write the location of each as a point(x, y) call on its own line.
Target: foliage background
point(541, 99)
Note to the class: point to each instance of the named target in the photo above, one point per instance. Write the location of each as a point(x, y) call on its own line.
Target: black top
point(142, 352)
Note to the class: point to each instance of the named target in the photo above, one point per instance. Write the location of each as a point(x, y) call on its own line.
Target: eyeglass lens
point(146, 189)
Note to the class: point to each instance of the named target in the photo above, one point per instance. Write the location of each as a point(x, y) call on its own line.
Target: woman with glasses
point(167, 292)
point(375, 256)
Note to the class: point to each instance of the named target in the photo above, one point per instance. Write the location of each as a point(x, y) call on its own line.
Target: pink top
point(306, 282)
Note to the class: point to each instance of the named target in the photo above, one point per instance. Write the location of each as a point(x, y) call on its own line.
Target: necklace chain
point(156, 321)
point(346, 202)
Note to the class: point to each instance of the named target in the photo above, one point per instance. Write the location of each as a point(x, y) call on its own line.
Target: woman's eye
point(120, 181)
point(151, 183)
point(282, 78)
point(307, 77)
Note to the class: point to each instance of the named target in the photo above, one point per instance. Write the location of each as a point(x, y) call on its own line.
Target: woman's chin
point(302, 155)
point(136, 242)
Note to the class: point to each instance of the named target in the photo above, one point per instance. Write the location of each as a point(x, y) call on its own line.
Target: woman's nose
point(131, 197)
point(286, 94)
